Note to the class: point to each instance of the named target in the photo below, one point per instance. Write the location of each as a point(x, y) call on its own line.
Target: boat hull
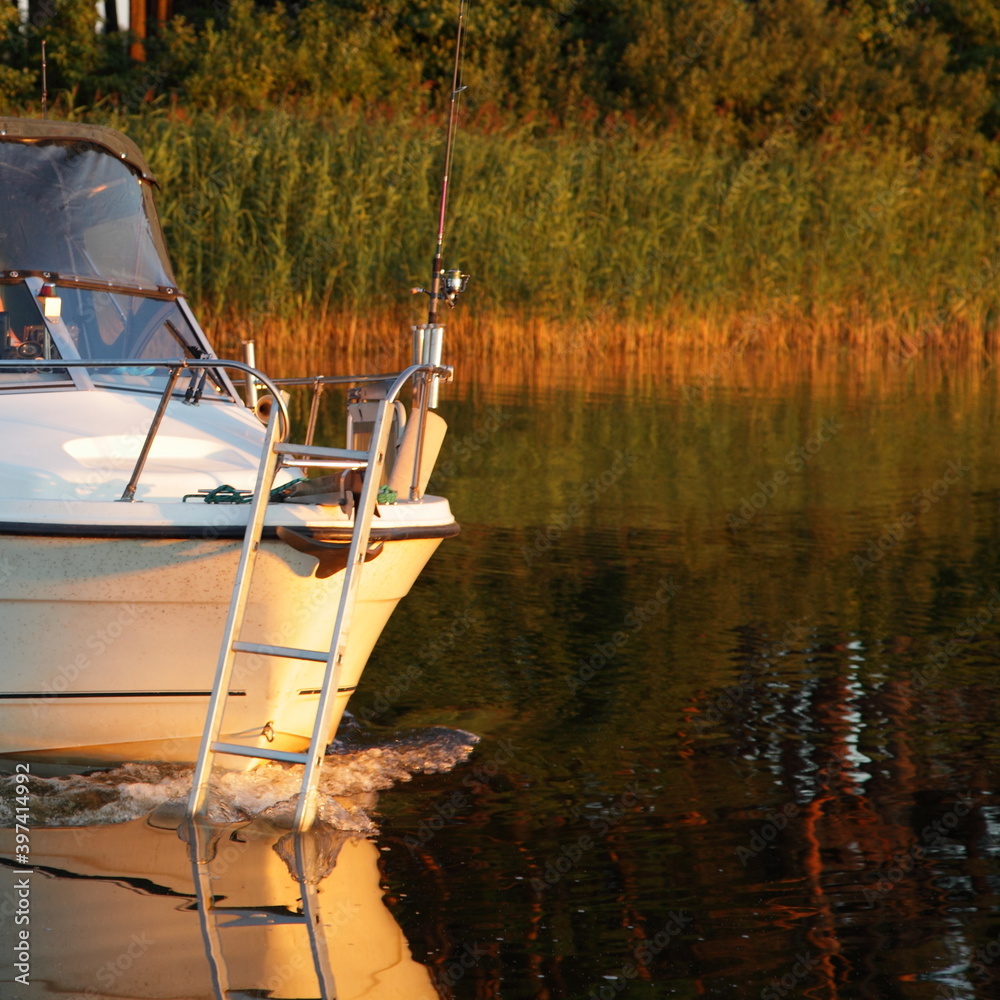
point(111, 643)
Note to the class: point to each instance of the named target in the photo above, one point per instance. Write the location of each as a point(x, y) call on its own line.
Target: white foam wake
point(134, 790)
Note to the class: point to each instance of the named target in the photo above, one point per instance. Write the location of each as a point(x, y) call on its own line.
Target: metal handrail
point(420, 401)
point(176, 365)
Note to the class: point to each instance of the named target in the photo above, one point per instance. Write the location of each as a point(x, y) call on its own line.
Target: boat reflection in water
point(124, 911)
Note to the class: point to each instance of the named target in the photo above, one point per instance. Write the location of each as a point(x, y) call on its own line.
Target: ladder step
point(250, 916)
point(343, 464)
point(314, 451)
point(288, 651)
point(242, 750)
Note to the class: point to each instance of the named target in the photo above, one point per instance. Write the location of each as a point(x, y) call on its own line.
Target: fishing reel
point(452, 285)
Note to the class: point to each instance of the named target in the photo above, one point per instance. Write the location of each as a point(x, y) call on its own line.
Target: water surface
point(731, 655)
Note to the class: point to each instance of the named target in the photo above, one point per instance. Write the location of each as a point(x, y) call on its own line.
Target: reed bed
point(697, 355)
point(623, 247)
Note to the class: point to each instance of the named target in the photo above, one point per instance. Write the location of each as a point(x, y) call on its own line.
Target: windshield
point(72, 208)
point(98, 325)
point(113, 325)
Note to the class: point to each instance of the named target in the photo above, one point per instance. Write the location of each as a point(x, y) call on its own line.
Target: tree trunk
point(137, 25)
point(40, 11)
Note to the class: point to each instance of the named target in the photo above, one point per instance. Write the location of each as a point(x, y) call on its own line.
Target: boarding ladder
point(276, 455)
point(215, 917)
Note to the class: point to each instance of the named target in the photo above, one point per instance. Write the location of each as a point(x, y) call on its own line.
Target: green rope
point(229, 494)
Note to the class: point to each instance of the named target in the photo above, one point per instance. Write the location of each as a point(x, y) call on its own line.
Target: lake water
point(730, 653)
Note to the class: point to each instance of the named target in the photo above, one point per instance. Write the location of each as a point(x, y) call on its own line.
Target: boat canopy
point(76, 200)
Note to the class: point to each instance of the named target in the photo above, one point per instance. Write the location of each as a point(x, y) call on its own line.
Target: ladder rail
point(202, 876)
point(237, 612)
point(313, 918)
point(305, 811)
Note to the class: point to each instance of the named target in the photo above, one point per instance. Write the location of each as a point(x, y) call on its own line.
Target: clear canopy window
point(73, 208)
point(25, 336)
point(78, 217)
point(111, 326)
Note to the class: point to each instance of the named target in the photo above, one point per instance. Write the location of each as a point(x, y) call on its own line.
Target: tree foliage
point(718, 71)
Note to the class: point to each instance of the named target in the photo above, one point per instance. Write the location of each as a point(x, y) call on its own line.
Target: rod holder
point(428, 347)
point(418, 343)
point(250, 359)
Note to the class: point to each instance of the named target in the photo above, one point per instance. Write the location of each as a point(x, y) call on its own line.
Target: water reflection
point(122, 911)
point(783, 784)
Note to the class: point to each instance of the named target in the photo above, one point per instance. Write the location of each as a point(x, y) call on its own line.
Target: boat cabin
point(84, 270)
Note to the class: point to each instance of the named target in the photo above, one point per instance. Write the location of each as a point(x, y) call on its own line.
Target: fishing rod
point(428, 338)
point(453, 281)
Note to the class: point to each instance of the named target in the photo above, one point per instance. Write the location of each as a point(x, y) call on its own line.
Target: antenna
point(45, 84)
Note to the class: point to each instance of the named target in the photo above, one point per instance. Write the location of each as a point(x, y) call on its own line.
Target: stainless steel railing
point(423, 375)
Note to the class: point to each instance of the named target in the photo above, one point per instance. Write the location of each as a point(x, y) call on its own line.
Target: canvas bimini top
point(84, 269)
point(76, 200)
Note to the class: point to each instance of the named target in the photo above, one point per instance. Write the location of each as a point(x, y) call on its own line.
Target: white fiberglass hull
point(110, 644)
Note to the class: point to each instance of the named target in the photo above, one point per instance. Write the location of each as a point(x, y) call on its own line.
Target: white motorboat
point(120, 624)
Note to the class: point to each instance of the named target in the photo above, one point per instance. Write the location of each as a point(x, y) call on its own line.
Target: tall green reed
point(274, 219)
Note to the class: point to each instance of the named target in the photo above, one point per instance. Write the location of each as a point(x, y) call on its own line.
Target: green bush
point(728, 72)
